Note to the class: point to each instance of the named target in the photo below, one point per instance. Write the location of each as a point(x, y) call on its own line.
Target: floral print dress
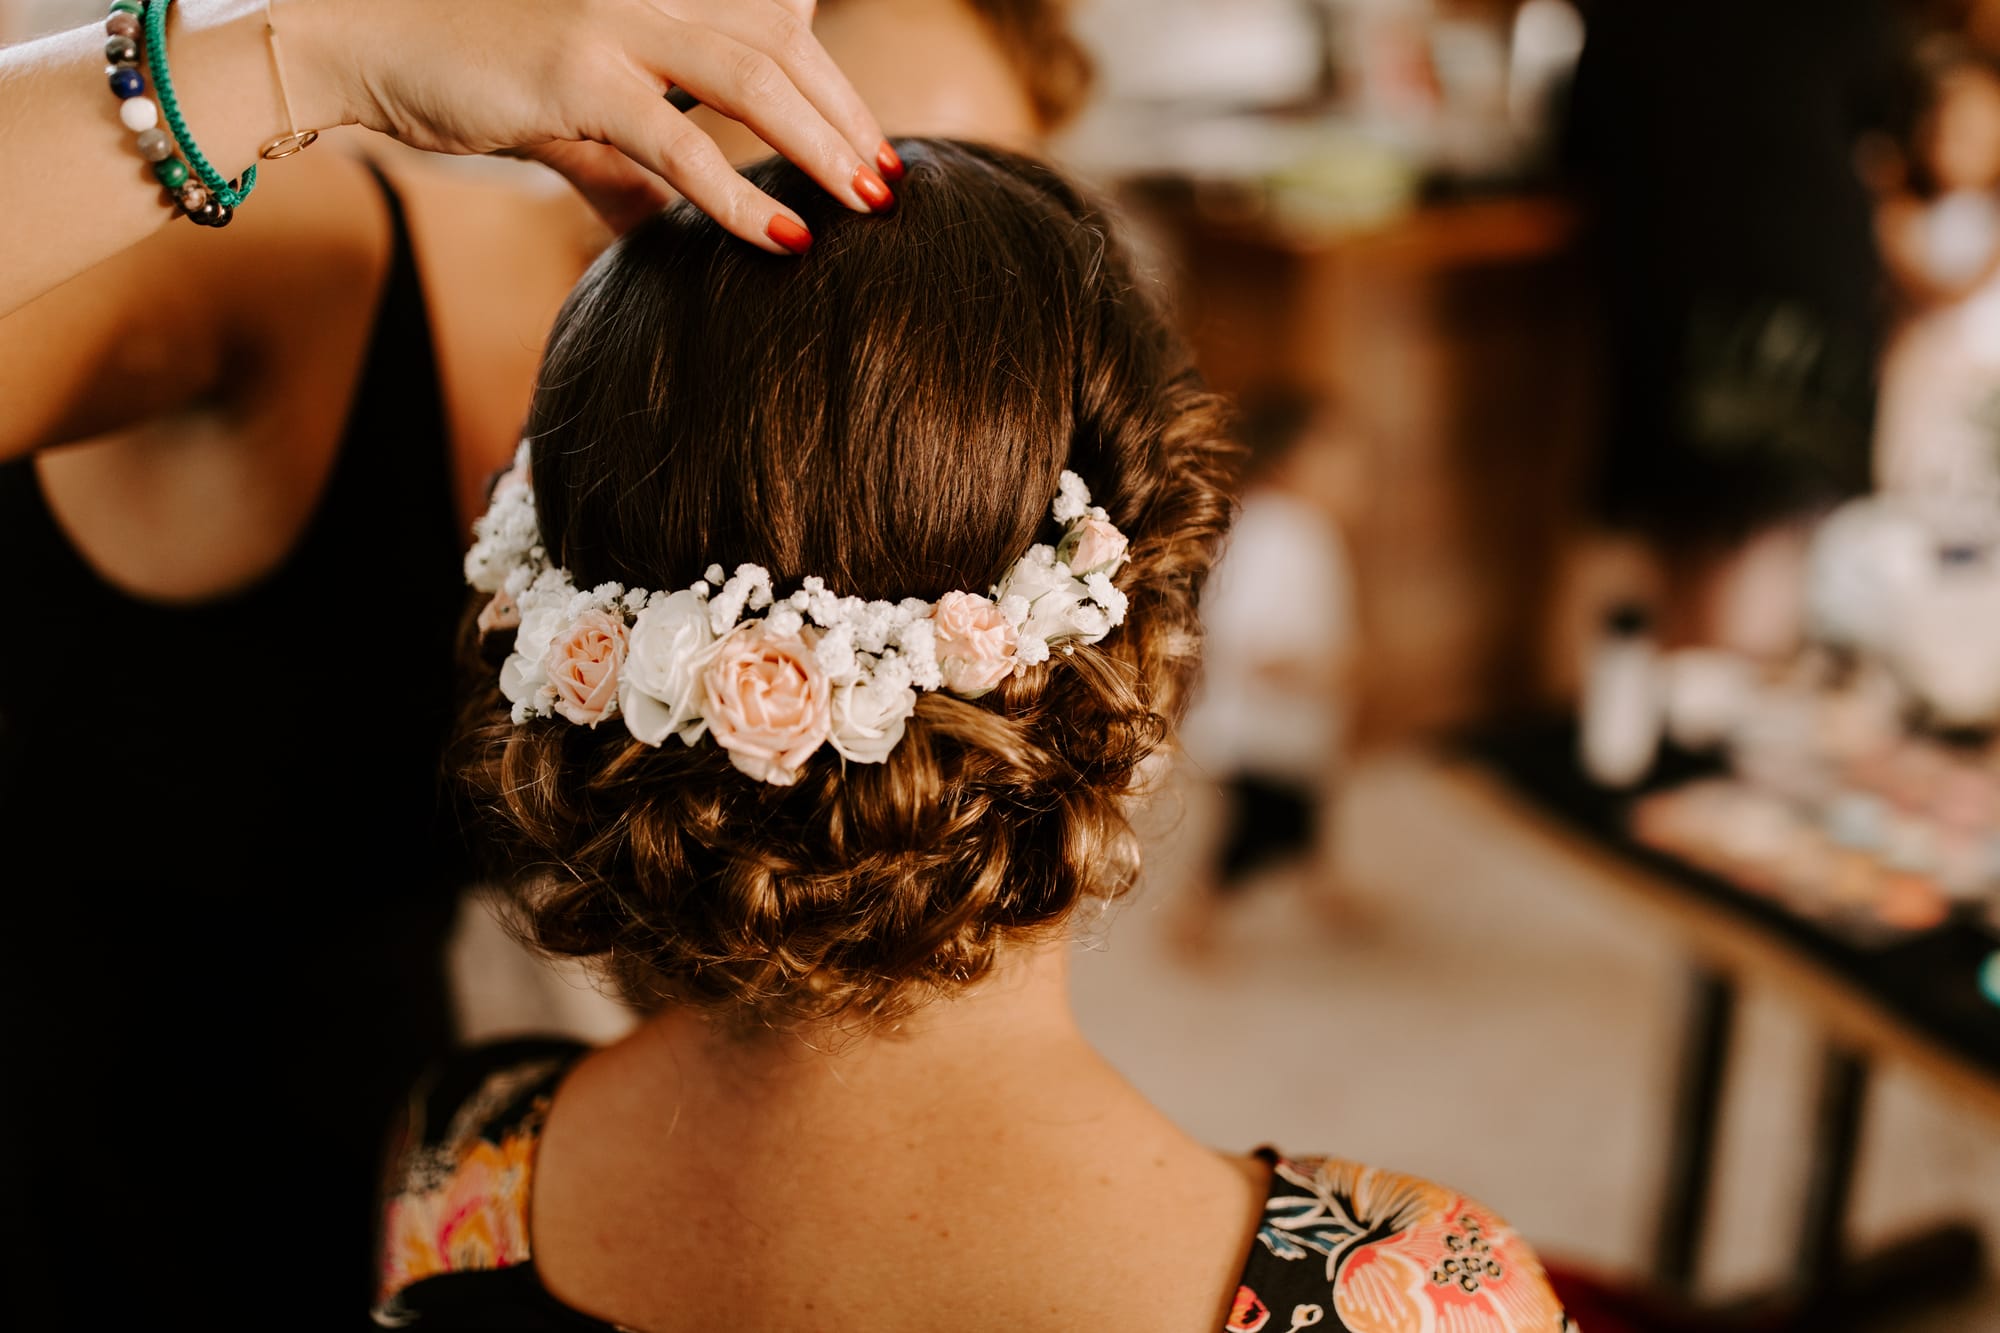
point(1341, 1248)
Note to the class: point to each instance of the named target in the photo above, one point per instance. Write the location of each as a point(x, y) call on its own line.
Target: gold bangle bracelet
point(297, 140)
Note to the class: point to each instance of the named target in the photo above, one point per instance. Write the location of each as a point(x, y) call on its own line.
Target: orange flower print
point(474, 1215)
point(1407, 1256)
point(1247, 1314)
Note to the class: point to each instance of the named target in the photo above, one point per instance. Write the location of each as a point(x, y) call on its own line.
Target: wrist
point(220, 67)
point(226, 82)
point(317, 60)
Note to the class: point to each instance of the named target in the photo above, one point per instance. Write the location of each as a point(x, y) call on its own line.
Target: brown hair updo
point(890, 412)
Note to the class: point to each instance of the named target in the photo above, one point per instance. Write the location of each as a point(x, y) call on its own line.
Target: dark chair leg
point(1831, 1290)
point(1842, 1100)
point(1697, 1109)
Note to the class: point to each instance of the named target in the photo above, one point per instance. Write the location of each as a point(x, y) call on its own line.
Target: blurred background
point(1593, 802)
point(1595, 770)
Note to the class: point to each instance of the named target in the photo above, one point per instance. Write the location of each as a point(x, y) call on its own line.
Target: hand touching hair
point(891, 413)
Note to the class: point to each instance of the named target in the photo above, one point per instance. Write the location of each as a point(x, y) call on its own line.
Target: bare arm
point(111, 311)
point(86, 356)
point(438, 74)
point(65, 148)
point(188, 315)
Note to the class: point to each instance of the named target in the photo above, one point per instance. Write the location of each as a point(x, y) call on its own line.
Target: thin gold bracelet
point(298, 140)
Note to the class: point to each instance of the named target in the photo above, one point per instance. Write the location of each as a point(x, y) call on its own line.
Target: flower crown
point(772, 680)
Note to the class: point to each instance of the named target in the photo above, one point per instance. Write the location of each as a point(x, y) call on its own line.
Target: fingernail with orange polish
point(871, 189)
point(891, 165)
point(789, 234)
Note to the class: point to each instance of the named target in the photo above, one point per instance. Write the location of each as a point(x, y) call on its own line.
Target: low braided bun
point(891, 413)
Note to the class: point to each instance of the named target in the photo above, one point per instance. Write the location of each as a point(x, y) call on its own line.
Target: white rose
point(522, 678)
point(660, 691)
point(1033, 575)
point(539, 626)
point(869, 716)
point(1063, 613)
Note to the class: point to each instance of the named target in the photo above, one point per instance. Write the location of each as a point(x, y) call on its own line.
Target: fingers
point(757, 62)
point(622, 192)
point(744, 84)
point(782, 30)
point(669, 145)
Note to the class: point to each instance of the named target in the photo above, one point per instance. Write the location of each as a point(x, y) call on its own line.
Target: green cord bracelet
point(219, 187)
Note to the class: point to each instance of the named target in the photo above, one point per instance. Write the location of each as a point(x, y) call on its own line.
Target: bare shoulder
point(1357, 1248)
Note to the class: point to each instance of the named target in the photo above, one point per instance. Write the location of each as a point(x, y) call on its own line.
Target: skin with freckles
point(815, 1180)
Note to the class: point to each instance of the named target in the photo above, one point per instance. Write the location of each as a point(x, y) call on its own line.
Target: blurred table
point(1917, 1001)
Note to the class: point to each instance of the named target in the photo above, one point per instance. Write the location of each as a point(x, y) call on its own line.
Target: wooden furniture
point(1455, 345)
point(1917, 1002)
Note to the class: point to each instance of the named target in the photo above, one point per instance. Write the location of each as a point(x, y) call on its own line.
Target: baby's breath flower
point(874, 655)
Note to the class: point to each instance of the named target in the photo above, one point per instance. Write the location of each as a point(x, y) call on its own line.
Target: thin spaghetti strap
point(399, 392)
point(398, 221)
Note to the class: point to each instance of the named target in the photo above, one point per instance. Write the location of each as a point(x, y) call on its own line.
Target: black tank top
point(292, 727)
point(228, 882)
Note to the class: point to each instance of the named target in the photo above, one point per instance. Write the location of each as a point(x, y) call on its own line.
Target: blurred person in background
point(1744, 295)
point(1268, 725)
point(217, 440)
point(1938, 219)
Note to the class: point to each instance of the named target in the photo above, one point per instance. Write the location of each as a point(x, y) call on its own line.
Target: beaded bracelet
point(141, 115)
point(228, 194)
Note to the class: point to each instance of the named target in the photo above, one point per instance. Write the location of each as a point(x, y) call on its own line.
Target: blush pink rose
point(1092, 545)
point(767, 702)
point(975, 644)
point(500, 613)
point(582, 666)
